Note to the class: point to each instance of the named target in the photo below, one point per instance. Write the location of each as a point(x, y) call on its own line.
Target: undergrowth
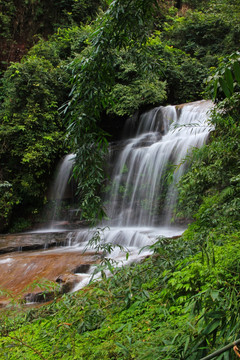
point(180, 303)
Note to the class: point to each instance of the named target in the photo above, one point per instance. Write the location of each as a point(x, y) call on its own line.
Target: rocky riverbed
point(36, 275)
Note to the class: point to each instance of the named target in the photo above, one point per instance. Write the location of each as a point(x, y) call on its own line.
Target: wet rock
point(67, 282)
point(20, 272)
point(81, 269)
point(40, 297)
point(33, 241)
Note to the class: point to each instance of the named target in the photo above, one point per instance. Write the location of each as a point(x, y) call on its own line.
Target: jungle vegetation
point(183, 302)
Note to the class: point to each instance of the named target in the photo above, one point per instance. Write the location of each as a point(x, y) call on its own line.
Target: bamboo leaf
point(211, 327)
point(186, 344)
point(226, 355)
point(120, 328)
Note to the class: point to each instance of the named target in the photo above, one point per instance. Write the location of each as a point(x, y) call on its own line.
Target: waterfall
point(139, 200)
point(140, 195)
point(58, 191)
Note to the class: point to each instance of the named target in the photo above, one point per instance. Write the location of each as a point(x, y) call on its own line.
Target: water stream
point(58, 189)
point(140, 194)
point(139, 199)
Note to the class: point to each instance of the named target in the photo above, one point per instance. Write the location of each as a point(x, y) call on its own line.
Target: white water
point(164, 137)
point(140, 202)
point(63, 175)
point(131, 239)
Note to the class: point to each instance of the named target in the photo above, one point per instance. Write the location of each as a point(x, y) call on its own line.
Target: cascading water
point(58, 191)
point(164, 136)
point(140, 201)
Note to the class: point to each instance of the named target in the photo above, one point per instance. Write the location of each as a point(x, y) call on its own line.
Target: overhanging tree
point(126, 24)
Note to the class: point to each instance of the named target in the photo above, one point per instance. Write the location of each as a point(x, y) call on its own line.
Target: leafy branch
point(225, 80)
point(125, 24)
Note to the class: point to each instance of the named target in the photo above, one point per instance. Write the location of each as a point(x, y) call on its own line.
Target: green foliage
point(31, 130)
point(175, 304)
point(129, 98)
point(183, 302)
point(225, 80)
point(30, 127)
point(137, 82)
point(123, 25)
point(23, 21)
point(206, 34)
point(196, 4)
point(6, 12)
point(6, 203)
point(183, 74)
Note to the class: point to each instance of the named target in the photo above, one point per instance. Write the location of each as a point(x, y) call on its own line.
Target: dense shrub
point(182, 303)
point(210, 189)
point(32, 131)
point(23, 21)
point(206, 34)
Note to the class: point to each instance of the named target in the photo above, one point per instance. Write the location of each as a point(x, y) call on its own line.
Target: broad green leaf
point(224, 87)
point(229, 79)
point(215, 89)
point(236, 70)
